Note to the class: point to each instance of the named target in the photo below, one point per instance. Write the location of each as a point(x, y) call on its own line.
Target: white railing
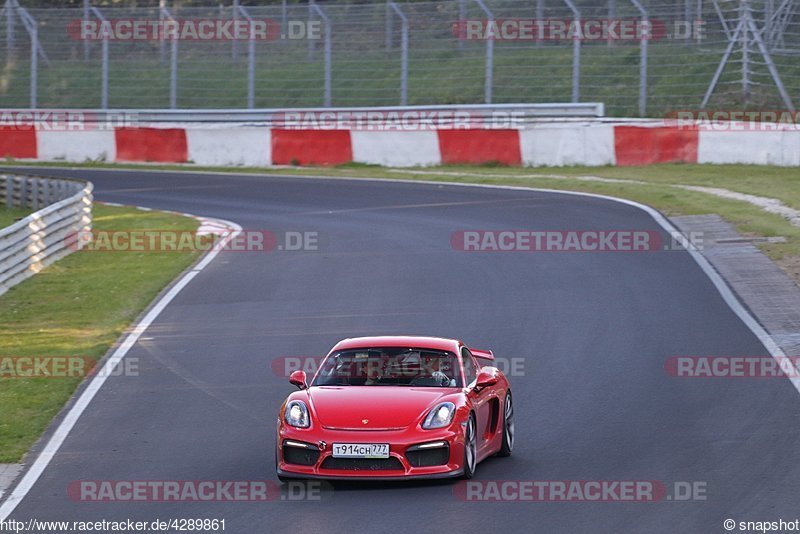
point(66, 119)
point(63, 209)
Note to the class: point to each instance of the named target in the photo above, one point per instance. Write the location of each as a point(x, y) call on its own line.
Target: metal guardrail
point(63, 209)
point(277, 118)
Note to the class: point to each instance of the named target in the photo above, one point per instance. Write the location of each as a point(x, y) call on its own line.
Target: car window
point(470, 368)
point(390, 366)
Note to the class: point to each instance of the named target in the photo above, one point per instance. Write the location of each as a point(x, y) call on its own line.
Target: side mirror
point(298, 378)
point(485, 379)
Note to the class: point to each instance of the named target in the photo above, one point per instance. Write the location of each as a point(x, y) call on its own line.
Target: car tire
point(470, 447)
point(508, 427)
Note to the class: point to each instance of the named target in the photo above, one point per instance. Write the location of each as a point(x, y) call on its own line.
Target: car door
point(479, 398)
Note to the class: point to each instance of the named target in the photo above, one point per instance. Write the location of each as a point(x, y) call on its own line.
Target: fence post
point(33, 32)
point(462, 15)
point(698, 18)
point(539, 16)
point(612, 15)
point(34, 65)
point(251, 58)
point(646, 34)
point(313, 7)
point(86, 41)
point(234, 42)
point(103, 64)
point(10, 38)
point(173, 74)
point(745, 14)
point(388, 27)
point(403, 51)
point(576, 55)
point(489, 72)
point(164, 13)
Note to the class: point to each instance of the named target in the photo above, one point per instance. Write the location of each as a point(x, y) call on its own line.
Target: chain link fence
point(743, 54)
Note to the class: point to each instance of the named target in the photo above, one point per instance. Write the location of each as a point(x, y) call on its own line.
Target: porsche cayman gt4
point(393, 408)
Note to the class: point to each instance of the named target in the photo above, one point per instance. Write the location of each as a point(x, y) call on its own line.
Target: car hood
point(373, 407)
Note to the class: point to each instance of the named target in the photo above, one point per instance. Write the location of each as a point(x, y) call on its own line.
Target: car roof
point(419, 342)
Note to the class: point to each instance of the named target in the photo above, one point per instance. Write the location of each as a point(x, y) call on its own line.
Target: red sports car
point(395, 408)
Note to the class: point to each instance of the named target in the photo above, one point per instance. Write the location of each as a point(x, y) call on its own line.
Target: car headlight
point(440, 416)
point(296, 414)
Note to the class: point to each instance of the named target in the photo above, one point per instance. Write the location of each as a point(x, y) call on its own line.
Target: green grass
point(78, 306)
point(363, 75)
point(9, 216)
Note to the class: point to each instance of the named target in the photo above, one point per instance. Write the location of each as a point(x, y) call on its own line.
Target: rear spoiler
point(482, 354)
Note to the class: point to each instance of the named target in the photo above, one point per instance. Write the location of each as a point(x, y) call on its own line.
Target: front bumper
point(402, 455)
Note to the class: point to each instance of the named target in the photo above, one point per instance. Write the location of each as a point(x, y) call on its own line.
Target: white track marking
point(66, 425)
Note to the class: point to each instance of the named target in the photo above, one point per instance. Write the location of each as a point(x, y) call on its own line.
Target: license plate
point(360, 450)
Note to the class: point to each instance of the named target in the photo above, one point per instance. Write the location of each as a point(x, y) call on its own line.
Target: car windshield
point(390, 367)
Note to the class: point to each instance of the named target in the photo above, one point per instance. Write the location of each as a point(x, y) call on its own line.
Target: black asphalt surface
point(593, 403)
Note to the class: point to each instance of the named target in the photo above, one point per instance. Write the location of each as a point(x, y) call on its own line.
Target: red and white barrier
point(553, 144)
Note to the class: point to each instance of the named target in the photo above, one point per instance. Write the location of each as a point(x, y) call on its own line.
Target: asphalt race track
point(593, 401)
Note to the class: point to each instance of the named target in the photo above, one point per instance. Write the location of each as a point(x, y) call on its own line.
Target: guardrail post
point(34, 182)
point(23, 192)
point(9, 187)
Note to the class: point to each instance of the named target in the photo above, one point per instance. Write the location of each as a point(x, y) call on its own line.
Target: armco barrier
point(63, 209)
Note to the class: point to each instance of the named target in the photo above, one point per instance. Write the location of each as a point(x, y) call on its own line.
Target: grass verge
point(9, 216)
point(78, 306)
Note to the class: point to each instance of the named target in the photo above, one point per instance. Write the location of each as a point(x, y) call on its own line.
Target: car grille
point(363, 464)
point(298, 456)
point(428, 457)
